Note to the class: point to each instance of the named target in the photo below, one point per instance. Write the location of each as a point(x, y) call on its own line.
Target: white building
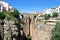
point(51, 10)
point(48, 11)
point(5, 6)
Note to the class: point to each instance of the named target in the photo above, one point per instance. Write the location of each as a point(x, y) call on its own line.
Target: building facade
point(51, 10)
point(5, 6)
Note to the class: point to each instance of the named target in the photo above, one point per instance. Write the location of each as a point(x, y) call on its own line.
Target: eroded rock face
point(1, 30)
point(10, 30)
point(42, 31)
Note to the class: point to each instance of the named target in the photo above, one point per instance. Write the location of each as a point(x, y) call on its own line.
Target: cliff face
point(10, 29)
point(10, 25)
point(42, 31)
point(1, 30)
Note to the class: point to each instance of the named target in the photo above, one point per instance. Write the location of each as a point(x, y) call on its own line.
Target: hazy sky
point(32, 5)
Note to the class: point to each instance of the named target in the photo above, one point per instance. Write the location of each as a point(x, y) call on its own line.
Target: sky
point(28, 6)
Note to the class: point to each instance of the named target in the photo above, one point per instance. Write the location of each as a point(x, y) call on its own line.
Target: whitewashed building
point(5, 6)
point(51, 10)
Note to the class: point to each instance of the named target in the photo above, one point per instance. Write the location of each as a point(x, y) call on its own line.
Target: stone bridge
point(28, 20)
point(37, 30)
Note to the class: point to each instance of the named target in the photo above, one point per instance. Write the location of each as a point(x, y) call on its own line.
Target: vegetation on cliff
point(55, 14)
point(56, 32)
point(47, 16)
point(9, 15)
point(2, 16)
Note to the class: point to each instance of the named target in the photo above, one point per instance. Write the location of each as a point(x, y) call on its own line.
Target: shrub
point(56, 32)
point(2, 15)
point(55, 14)
point(47, 16)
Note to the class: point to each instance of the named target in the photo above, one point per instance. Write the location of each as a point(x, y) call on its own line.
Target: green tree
point(2, 16)
point(15, 13)
point(47, 16)
point(56, 32)
point(55, 14)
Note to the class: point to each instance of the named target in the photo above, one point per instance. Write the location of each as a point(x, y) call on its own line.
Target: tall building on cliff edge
point(5, 6)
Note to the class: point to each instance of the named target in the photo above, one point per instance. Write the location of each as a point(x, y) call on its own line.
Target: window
point(4, 9)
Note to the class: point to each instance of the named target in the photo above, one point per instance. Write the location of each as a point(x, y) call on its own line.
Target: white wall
point(6, 5)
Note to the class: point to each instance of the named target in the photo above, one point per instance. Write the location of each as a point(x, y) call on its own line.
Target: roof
point(55, 7)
